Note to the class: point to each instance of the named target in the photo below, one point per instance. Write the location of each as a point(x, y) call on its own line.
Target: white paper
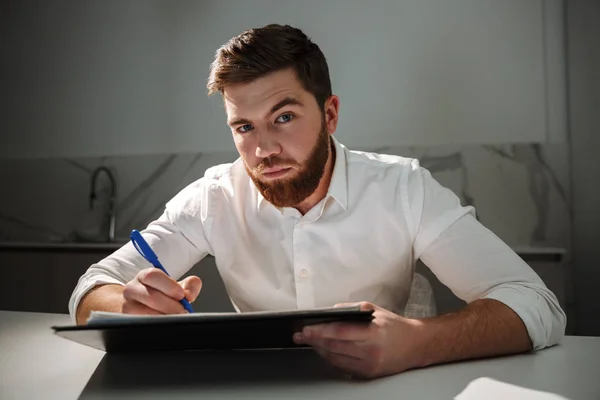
point(491, 389)
point(103, 317)
point(100, 317)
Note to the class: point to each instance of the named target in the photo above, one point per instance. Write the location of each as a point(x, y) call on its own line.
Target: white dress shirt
point(360, 243)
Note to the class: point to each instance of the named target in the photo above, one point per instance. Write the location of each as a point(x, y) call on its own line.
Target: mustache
point(273, 162)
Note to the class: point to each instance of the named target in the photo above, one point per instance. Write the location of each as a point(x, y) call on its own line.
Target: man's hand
point(153, 292)
point(380, 348)
point(392, 344)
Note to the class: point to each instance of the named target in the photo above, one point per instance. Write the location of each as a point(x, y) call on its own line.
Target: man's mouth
point(275, 172)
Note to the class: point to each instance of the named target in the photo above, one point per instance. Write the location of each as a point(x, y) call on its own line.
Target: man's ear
point(331, 110)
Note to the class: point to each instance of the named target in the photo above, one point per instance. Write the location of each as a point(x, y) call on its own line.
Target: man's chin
point(280, 192)
point(277, 185)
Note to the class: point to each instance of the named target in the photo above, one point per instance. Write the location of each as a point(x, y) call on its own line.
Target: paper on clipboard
point(117, 333)
point(104, 317)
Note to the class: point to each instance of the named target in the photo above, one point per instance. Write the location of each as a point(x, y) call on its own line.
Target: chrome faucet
point(112, 213)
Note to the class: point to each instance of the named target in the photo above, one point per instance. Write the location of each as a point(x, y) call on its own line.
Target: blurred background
point(105, 117)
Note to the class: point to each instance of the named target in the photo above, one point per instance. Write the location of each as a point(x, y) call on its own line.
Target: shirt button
point(304, 274)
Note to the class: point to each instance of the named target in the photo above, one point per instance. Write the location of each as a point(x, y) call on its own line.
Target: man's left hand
point(383, 347)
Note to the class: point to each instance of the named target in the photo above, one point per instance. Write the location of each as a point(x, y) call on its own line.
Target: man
point(300, 221)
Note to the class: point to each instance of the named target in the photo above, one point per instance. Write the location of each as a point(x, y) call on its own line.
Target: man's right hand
point(153, 292)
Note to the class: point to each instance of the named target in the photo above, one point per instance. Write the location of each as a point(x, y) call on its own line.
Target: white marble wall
point(520, 192)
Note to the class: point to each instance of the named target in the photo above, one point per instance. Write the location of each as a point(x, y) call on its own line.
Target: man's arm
point(104, 297)
point(101, 287)
point(475, 263)
point(484, 328)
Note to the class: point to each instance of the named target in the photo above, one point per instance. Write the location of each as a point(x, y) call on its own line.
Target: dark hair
point(258, 52)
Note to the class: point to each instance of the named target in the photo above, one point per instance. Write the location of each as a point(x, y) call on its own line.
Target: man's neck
point(323, 187)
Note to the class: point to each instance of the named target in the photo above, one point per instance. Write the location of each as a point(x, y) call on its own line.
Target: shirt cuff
point(543, 327)
point(84, 286)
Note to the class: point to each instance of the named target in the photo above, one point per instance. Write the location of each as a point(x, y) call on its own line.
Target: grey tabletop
point(34, 363)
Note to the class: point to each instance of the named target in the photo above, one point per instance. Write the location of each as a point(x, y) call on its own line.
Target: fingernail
point(307, 333)
point(298, 337)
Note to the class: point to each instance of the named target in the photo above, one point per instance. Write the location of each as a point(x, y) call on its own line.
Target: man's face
point(281, 135)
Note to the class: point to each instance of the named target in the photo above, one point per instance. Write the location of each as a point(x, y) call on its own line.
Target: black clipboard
point(206, 331)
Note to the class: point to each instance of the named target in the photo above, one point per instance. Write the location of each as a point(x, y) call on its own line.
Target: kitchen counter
point(550, 254)
point(61, 246)
point(528, 253)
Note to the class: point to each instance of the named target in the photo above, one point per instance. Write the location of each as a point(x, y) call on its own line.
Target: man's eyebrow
point(285, 102)
point(239, 121)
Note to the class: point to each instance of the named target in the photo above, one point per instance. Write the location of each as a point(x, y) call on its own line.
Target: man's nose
point(267, 146)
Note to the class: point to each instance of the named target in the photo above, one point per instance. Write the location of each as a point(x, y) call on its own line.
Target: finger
point(345, 305)
point(134, 307)
point(364, 305)
point(191, 286)
point(152, 298)
point(157, 279)
point(337, 330)
point(352, 365)
point(342, 347)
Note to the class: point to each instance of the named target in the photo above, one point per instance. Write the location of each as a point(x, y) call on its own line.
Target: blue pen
point(144, 249)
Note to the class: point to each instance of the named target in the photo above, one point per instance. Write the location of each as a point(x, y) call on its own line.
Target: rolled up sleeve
point(177, 237)
point(474, 263)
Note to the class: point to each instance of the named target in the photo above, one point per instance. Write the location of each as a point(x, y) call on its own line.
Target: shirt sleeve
point(474, 263)
point(178, 237)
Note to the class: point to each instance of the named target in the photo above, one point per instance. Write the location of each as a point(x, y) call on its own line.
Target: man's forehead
point(267, 89)
point(258, 106)
point(240, 100)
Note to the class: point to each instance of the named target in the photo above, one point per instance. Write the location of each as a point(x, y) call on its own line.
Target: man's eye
point(244, 128)
point(285, 118)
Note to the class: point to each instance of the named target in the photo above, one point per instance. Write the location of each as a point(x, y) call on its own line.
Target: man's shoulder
point(222, 173)
point(376, 161)
point(217, 179)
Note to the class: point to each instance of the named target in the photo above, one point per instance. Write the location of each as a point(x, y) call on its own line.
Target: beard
point(288, 192)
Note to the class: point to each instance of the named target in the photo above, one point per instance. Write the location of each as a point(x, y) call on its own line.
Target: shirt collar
point(338, 186)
